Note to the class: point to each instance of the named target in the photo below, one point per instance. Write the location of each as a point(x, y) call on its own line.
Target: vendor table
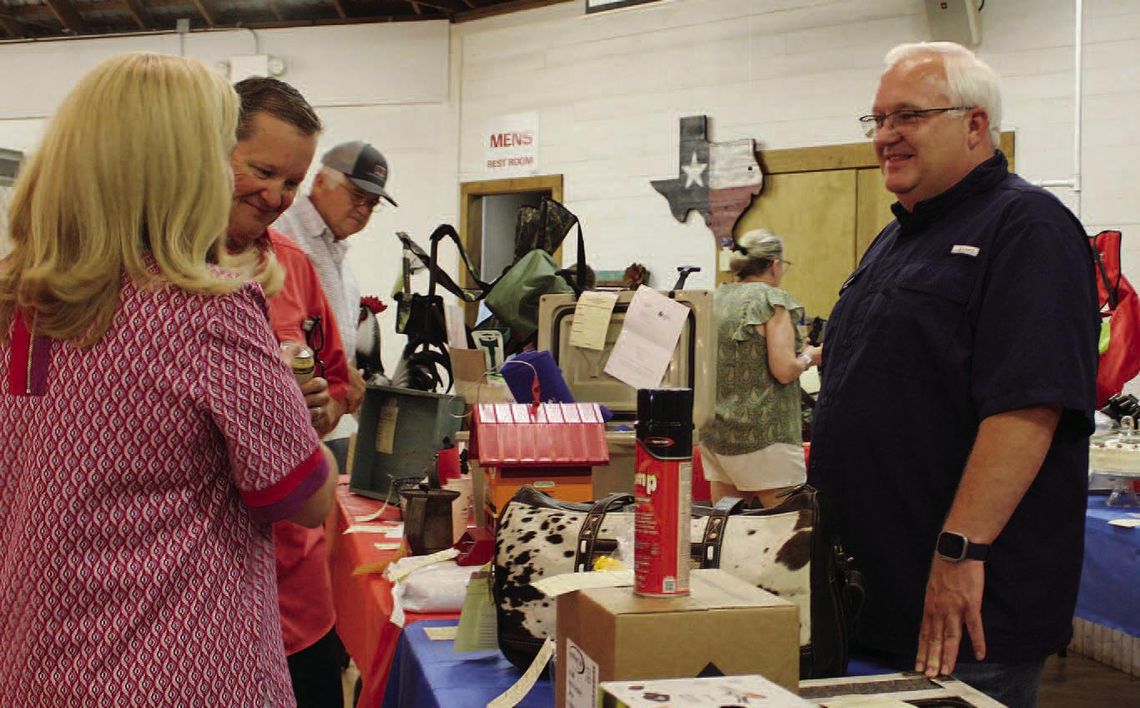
point(364, 602)
point(429, 673)
point(1107, 622)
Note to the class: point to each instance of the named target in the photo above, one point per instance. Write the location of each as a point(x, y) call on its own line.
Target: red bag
point(1120, 308)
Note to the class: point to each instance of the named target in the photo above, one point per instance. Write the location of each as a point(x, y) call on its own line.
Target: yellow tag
point(478, 625)
point(444, 633)
point(386, 429)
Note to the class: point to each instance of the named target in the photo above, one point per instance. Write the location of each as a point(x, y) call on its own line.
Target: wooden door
point(828, 204)
point(471, 196)
point(819, 242)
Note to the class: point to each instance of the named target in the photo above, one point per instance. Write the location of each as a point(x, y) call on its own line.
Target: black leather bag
point(783, 550)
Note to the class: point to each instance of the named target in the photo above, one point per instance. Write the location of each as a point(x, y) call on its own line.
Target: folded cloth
point(552, 385)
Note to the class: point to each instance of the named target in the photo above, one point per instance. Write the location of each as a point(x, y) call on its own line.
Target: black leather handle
point(588, 534)
point(714, 530)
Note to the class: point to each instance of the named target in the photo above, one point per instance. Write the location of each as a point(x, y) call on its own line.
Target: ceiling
point(44, 19)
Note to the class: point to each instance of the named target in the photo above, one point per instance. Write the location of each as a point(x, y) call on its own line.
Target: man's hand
point(355, 389)
point(953, 598)
point(324, 411)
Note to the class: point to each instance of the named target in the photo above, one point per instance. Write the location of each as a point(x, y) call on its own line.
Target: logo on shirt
point(971, 251)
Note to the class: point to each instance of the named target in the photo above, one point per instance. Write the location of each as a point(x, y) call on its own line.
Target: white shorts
point(778, 465)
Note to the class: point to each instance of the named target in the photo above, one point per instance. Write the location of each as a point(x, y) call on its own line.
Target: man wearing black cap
point(345, 192)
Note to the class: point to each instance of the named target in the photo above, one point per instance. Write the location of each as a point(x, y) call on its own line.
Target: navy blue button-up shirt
point(980, 301)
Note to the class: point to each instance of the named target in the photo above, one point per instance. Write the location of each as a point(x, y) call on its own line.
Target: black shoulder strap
point(578, 282)
point(440, 274)
point(1110, 288)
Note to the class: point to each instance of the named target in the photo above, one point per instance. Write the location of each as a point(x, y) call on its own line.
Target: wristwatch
point(806, 359)
point(955, 547)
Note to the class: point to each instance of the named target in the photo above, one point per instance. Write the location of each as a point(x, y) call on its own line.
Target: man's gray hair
point(969, 80)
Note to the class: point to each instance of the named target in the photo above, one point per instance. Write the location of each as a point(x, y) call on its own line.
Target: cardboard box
point(716, 692)
point(723, 627)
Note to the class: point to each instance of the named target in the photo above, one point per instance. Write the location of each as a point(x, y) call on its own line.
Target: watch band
point(955, 547)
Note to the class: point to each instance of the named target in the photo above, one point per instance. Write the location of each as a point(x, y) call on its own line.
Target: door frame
point(471, 217)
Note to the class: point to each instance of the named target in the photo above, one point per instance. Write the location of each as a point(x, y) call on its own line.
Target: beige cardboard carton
point(723, 627)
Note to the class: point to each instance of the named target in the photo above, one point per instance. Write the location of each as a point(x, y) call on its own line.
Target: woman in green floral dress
point(753, 446)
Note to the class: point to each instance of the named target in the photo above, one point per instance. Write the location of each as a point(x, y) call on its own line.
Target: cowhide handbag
point(780, 549)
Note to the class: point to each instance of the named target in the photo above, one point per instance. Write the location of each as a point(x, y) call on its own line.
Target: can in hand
point(300, 359)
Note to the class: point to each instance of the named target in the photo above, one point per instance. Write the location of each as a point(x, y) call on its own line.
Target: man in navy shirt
point(958, 389)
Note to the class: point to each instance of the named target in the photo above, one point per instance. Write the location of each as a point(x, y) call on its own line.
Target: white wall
point(388, 84)
point(609, 89)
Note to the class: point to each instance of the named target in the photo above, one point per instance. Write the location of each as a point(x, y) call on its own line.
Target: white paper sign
point(555, 585)
point(514, 695)
point(647, 339)
point(510, 145)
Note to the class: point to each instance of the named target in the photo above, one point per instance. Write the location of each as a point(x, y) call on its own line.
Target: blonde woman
point(753, 448)
point(151, 432)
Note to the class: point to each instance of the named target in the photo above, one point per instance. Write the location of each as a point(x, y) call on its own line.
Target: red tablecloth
point(364, 602)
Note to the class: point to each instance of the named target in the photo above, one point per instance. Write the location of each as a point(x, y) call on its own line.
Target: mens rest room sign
point(511, 146)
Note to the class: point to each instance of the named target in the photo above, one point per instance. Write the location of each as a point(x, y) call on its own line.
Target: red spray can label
point(663, 492)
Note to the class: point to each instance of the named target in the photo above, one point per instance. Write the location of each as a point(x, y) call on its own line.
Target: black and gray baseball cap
point(361, 163)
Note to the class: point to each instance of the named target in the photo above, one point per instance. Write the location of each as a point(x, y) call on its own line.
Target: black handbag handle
point(588, 534)
point(714, 530)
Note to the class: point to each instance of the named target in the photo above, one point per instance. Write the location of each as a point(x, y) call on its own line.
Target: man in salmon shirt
point(277, 137)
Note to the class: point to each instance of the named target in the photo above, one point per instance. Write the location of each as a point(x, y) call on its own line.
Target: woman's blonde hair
point(755, 252)
point(134, 164)
point(256, 261)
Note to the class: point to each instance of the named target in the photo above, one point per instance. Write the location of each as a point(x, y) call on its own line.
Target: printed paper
point(648, 337)
point(556, 585)
point(592, 319)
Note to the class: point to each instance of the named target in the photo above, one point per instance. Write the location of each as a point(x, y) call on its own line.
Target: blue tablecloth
point(1110, 578)
point(428, 673)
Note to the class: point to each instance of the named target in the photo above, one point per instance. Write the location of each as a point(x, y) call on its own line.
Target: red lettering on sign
point(503, 140)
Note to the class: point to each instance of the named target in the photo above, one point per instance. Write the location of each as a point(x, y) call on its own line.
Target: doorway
point(487, 214)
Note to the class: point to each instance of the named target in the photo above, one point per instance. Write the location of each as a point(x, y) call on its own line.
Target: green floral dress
point(753, 409)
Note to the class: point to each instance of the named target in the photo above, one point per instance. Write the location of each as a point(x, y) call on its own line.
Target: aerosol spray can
point(663, 491)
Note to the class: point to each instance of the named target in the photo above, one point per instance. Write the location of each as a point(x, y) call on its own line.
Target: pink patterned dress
point(137, 480)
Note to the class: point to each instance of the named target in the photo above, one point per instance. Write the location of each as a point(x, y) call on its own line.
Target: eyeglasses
point(362, 199)
point(786, 262)
point(902, 120)
point(315, 339)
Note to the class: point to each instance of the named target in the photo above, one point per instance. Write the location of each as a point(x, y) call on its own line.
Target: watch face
point(951, 546)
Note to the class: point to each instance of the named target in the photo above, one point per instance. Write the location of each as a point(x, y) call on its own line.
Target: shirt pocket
point(924, 331)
